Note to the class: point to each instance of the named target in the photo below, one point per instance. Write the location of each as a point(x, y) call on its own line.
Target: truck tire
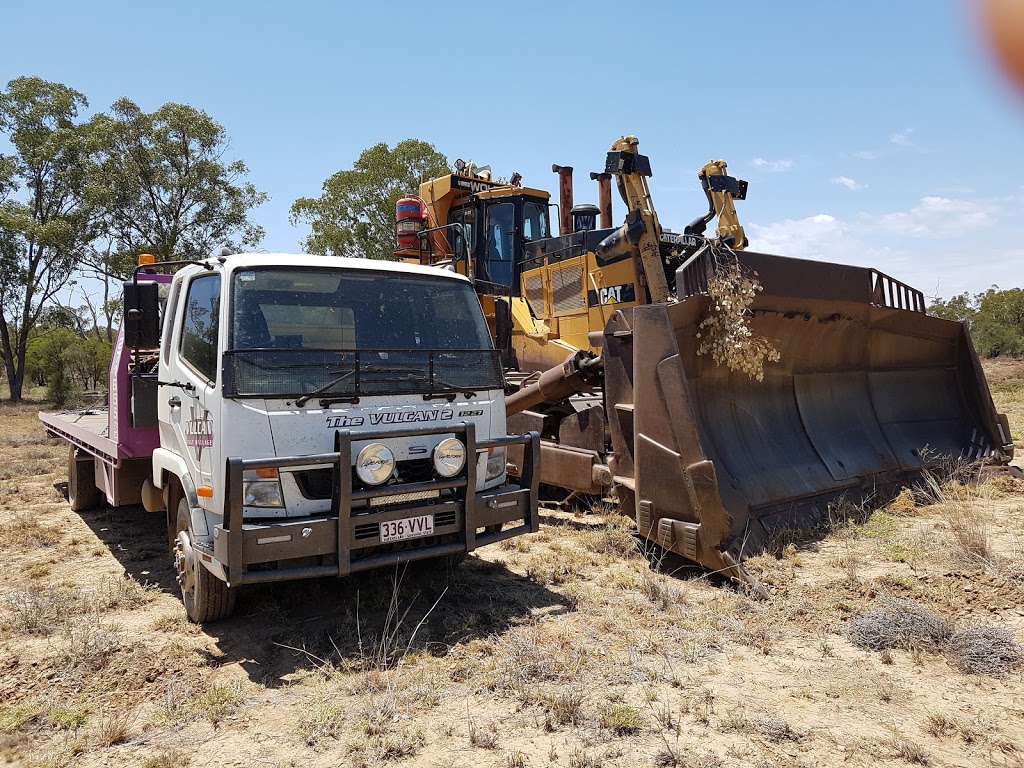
point(206, 597)
point(83, 494)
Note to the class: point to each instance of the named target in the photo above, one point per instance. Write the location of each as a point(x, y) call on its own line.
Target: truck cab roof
point(247, 260)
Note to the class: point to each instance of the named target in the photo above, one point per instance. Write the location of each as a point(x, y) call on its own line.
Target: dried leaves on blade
point(725, 333)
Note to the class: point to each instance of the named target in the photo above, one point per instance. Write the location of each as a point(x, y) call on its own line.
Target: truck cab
point(316, 416)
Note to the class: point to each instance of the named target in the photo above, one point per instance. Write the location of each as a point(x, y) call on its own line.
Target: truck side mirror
point(141, 314)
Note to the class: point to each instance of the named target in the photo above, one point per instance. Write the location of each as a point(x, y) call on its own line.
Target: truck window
point(501, 224)
point(200, 325)
point(292, 328)
point(169, 313)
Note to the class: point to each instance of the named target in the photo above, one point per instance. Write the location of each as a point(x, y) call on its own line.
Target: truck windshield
point(296, 331)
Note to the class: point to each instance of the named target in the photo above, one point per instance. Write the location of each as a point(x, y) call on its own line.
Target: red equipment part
point(410, 220)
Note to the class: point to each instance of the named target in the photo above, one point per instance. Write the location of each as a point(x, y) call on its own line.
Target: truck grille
point(316, 483)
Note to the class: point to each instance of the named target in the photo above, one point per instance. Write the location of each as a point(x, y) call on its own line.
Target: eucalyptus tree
point(355, 214)
point(167, 187)
point(46, 215)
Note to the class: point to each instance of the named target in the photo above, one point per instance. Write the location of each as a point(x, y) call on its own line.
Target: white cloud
point(810, 238)
point(941, 245)
point(846, 181)
point(865, 154)
point(777, 166)
point(902, 138)
point(940, 217)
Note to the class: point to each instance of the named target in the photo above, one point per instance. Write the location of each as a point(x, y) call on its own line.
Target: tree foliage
point(994, 317)
point(45, 213)
point(355, 215)
point(66, 363)
point(166, 188)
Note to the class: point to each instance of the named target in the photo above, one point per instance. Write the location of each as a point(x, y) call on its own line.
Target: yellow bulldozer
point(714, 393)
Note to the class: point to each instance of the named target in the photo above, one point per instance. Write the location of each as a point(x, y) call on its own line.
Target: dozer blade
point(868, 390)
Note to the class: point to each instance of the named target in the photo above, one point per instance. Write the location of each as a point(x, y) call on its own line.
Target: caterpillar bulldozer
point(603, 331)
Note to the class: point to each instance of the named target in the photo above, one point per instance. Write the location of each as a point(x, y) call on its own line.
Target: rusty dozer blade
point(868, 390)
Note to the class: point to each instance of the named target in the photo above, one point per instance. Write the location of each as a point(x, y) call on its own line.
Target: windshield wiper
point(361, 369)
point(301, 401)
point(446, 389)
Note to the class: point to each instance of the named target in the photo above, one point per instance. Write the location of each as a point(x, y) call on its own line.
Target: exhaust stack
point(604, 197)
point(564, 197)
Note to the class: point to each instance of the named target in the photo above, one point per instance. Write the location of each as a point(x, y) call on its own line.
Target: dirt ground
point(564, 648)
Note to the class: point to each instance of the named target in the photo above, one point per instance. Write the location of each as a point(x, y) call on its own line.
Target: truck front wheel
point(206, 597)
point(82, 491)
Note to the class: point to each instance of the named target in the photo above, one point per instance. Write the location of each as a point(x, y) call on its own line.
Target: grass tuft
point(899, 623)
point(983, 650)
point(621, 719)
point(14, 716)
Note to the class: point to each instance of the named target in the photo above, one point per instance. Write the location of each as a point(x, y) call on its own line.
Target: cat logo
point(613, 294)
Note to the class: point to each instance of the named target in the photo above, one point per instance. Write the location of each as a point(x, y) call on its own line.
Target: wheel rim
point(185, 563)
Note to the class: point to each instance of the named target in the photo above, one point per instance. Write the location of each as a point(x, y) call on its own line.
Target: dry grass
point(621, 719)
point(560, 648)
point(24, 530)
point(39, 609)
point(898, 623)
point(563, 707)
point(169, 758)
point(984, 650)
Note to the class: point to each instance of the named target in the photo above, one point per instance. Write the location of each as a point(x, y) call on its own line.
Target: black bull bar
point(240, 544)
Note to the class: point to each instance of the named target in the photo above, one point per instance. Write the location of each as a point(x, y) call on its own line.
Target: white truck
point(301, 416)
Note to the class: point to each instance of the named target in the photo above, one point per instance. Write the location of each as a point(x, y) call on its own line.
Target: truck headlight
point(375, 464)
point(449, 457)
point(261, 488)
point(496, 459)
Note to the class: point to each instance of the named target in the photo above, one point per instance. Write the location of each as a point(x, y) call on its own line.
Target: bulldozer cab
point(494, 230)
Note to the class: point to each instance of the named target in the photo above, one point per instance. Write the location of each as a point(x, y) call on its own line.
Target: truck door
point(193, 413)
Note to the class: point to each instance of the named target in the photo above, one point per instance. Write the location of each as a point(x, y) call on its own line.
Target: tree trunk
point(14, 376)
point(15, 382)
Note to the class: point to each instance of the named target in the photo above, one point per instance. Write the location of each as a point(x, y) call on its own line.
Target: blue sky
point(875, 132)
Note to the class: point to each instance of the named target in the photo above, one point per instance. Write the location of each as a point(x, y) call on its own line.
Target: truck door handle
point(174, 402)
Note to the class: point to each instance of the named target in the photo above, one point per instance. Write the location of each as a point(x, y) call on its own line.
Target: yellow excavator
point(607, 335)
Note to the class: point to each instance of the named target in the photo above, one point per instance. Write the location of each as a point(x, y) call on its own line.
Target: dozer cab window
point(535, 222)
point(462, 241)
point(500, 232)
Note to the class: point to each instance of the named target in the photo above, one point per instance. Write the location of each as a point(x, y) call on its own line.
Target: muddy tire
point(206, 597)
point(83, 494)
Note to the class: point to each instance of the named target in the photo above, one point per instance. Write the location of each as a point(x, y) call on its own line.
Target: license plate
point(407, 528)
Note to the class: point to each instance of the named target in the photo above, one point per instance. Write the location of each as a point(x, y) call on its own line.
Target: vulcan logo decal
point(613, 294)
point(389, 417)
point(199, 430)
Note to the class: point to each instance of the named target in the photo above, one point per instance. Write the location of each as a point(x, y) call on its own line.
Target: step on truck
point(302, 416)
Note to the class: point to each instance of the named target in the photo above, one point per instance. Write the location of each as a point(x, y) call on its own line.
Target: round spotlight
point(449, 457)
point(375, 464)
